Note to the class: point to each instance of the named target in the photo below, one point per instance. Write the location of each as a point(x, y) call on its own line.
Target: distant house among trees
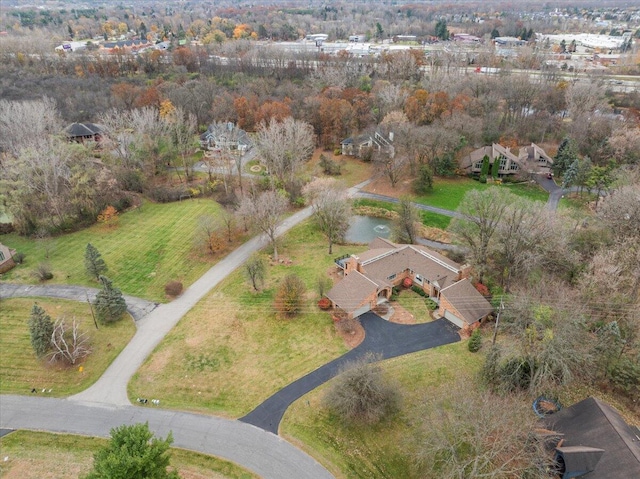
point(225, 136)
point(6, 258)
point(529, 159)
point(358, 146)
point(370, 277)
point(81, 132)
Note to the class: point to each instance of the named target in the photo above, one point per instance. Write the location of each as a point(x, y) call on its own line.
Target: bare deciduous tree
point(482, 212)
point(405, 226)
point(255, 269)
point(285, 146)
point(27, 123)
point(477, 435)
point(69, 344)
point(263, 213)
point(331, 208)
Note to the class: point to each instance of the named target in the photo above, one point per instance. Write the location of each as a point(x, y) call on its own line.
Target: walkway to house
point(137, 307)
point(388, 340)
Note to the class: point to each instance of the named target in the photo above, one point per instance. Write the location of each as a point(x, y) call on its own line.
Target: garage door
point(364, 309)
point(454, 319)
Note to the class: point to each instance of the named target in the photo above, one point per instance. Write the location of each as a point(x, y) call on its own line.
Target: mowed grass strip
point(39, 455)
point(378, 451)
point(150, 246)
point(21, 371)
point(353, 170)
point(232, 351)
point(447, 193)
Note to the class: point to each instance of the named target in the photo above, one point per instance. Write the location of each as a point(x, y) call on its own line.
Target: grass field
point(231, 351)
point(377, 451)
point(151, 245)
point(20, 370)
point(428, 218)
point(448, 192)
point(353, 171)
point(415, 304)
point(39, 455)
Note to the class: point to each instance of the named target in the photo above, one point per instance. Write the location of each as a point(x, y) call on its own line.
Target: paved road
point(137, 307)
point(261, 452)
point(111, 388)
point(382, 337)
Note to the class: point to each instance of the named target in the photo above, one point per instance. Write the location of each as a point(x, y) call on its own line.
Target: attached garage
point(454, 319)
point(463, 305)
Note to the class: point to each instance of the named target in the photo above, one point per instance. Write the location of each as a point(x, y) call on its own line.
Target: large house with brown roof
point(370, 277)
point(531, 159)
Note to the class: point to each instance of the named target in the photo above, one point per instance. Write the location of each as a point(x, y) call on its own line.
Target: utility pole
point(495, 330)
point(91, 308)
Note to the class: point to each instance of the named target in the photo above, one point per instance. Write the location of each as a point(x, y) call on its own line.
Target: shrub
point(417, 289)
point(430, 304)
point(347, 325)
point(43, 272)
point(329, 166)
point(407, 282)
point(483, 289)
point(290, 295)
point(362, 394)
point(324, 303)
point(108, 216)
point(475, 341)
point(173, 288)
point(482, 179)
point(337, 152)
point(19, 257)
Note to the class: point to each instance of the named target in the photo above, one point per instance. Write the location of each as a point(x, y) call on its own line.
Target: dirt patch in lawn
point(382, 186)
point(401, 315)
point(354, 338)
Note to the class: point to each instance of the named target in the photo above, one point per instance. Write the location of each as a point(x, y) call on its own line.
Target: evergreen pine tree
point(109, 303)
point(475, 341)
point(567, 153)
point(495, 168)
point(93, 262)
point(41, 329)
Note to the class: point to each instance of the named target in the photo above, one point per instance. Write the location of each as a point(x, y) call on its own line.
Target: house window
point(418, 279)
point(513, 166)
point(1, 256)
point(393, 276)
point(478, 165)
point(503, 163)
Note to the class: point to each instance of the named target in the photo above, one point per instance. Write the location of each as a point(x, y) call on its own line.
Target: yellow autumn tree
point(166, 109)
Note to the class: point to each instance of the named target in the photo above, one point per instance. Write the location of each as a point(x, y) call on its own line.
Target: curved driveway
point(386, 339)
point(261, 452)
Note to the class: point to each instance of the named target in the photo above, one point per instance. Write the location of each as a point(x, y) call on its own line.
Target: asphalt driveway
point(386, 339)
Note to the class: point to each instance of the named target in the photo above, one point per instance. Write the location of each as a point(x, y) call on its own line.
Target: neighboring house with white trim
point(370, 277)
point(358, 145)
point(225, 136)
point(529, 159)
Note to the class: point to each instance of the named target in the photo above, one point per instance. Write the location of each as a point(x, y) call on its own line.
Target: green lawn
point(151, 245)
point(231, 351)
point(20, 370)
point(448, 192)
point(39, 455)
point(428, 218)
point(377, 451)
point(415, 304)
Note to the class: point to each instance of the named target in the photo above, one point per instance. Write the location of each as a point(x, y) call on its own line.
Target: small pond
point(363, 229)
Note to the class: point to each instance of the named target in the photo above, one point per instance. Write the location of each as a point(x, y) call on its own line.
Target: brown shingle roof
point(380, 264)
point(352, 291)
point(467, 300)
point(595, 424)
